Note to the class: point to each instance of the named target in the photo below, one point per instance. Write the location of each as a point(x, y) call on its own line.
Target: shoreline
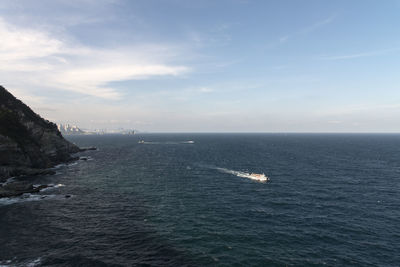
point(18, 184)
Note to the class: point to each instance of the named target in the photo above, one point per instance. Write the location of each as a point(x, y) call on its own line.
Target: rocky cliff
point(28, 143)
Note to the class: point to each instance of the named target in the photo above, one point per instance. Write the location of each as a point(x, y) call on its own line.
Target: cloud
point(317, 25)
point(206, 90)
point(33, 57)
point(217, 36)
point(23, 44)
point(304, 31)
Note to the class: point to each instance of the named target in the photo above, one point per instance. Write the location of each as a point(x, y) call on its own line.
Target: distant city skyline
point(206, 66)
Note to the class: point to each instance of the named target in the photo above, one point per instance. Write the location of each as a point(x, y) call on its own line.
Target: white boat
point(256, 176)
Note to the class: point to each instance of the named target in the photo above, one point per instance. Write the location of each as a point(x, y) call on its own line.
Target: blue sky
point(206, 66)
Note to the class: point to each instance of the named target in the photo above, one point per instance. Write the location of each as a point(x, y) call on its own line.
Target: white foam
point(64, 165)
point(33, 263)
point(28, 197)
point(15, 263)
point(55, 185)
point(5, 263)
point(23, 198)
point(50, 186)
point(59, 166)
point(9, 180)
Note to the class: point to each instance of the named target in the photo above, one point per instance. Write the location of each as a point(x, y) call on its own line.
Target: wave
point(61, 165)
point(50, 186)
point(29, 263)
point(25, 198)
point(28, 197)
point(9, 180)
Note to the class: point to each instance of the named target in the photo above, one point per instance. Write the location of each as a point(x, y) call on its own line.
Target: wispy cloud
point(217, 36)
point(317, 25)
point(306, 30)
point(360, 55)
point(301, 32)
point(206, 90)
point(44, 59)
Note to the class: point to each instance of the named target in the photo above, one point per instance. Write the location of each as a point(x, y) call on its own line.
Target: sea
point(182, 200)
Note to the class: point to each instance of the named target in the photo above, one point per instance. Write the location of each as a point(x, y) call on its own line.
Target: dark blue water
point(332, 200)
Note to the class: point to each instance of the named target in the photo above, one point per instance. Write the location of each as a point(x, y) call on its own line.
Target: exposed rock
point(11, 171)
point(87, 148)
point(28, 143)
point(19, 188)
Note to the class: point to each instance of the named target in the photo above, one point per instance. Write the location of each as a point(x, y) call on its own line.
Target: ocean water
point(332, 200)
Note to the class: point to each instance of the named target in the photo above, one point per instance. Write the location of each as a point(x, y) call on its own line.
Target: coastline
point(18, 184)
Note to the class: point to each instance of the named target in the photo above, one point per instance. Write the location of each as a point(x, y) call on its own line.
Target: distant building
point(67, 129)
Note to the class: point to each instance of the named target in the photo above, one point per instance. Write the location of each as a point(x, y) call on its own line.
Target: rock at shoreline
point(29, 144)
point(13, 171)
point(87, 148)
point(19, 188)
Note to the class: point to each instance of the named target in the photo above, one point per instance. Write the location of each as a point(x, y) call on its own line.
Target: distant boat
point(256, 176)
point(141, 142)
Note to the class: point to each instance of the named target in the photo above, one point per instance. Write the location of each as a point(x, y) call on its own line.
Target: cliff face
point(28, 143)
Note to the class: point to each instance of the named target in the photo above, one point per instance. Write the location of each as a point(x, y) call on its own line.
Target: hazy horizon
point(206, 66)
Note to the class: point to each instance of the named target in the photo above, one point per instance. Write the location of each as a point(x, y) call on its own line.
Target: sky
point(206, 65)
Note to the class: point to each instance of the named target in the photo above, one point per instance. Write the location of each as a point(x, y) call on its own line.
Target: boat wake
point(253, 176)
point(166, 142)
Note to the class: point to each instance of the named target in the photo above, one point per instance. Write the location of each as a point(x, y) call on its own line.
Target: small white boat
point(256, 176)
